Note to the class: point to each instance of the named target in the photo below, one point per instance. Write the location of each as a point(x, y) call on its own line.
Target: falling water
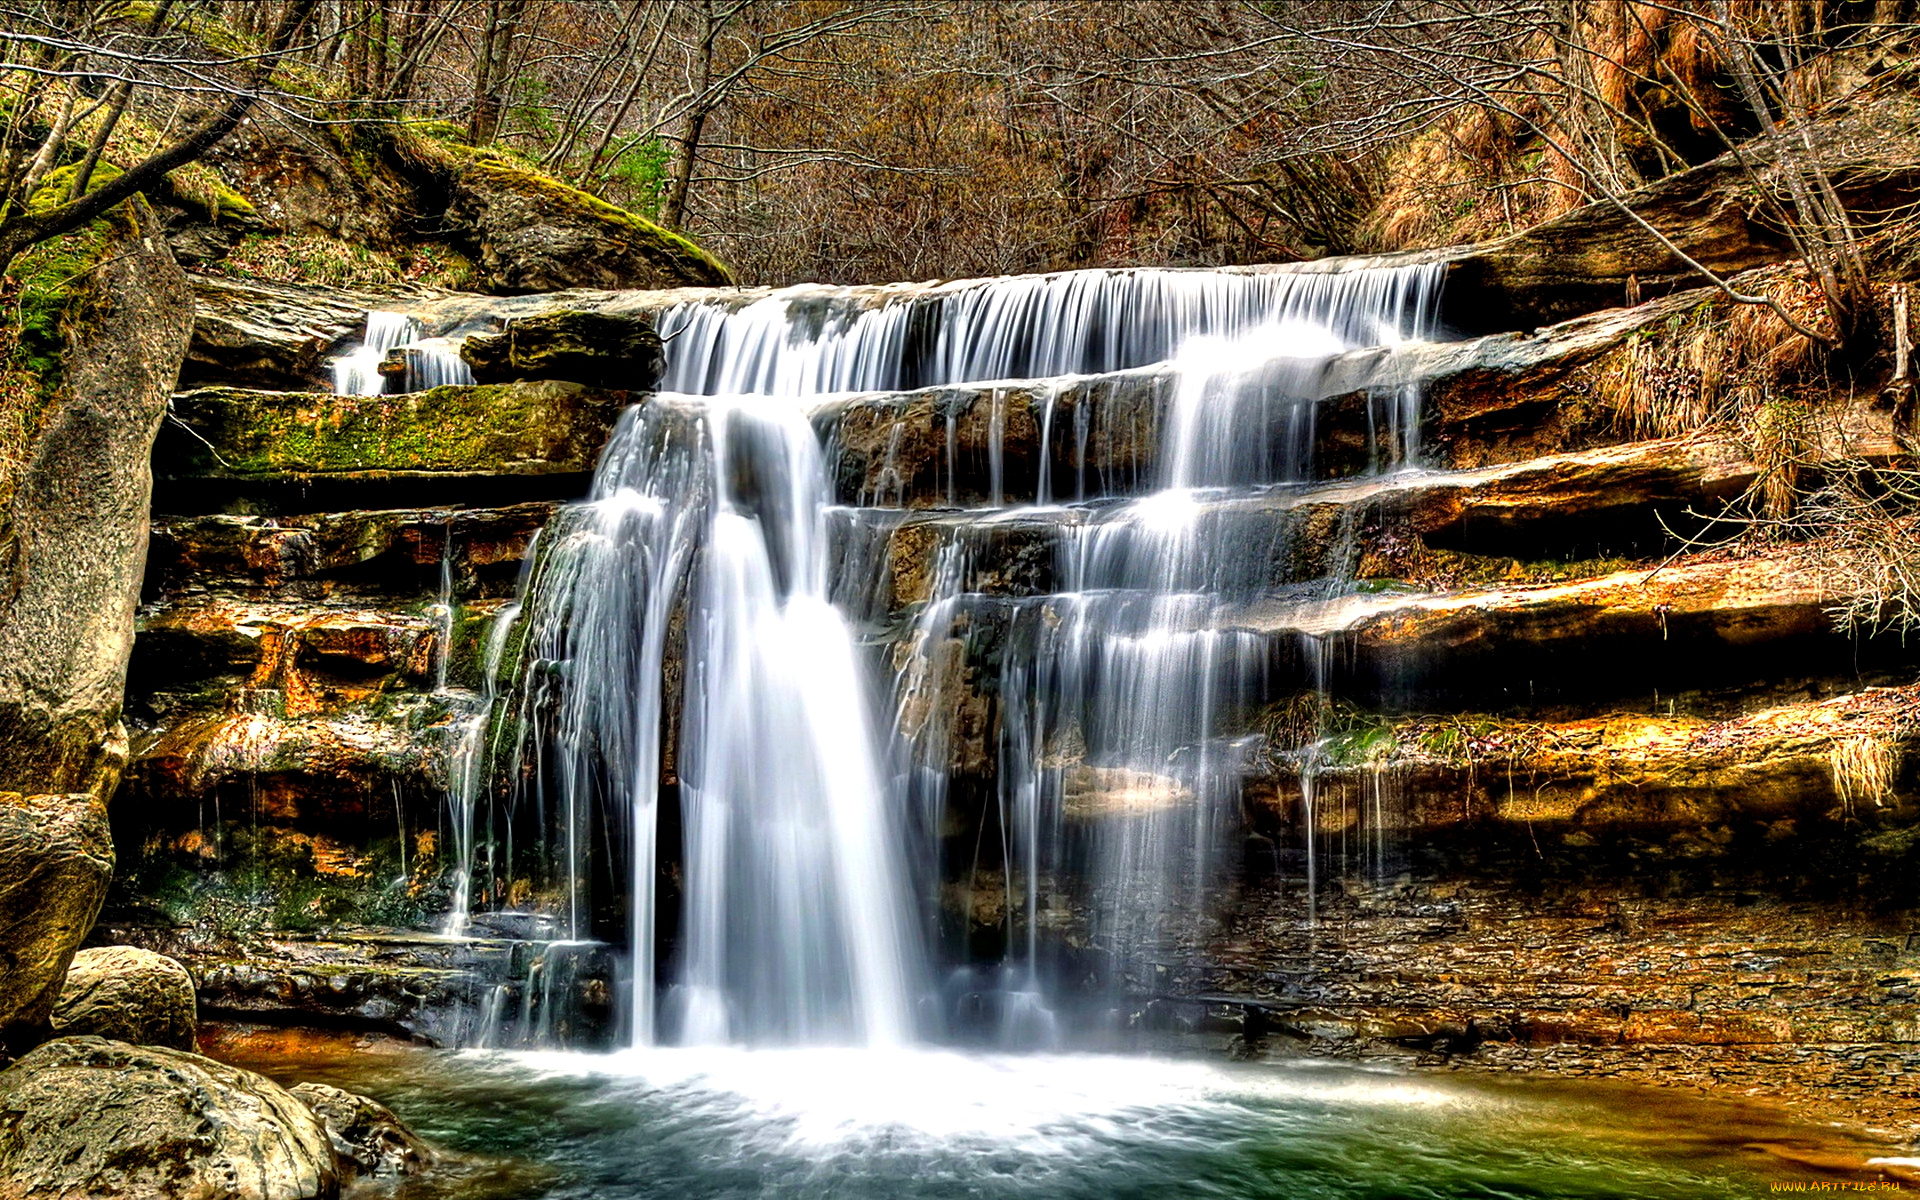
point(357, 372)
point(1118, 693)
point(702, 554)
point(430, 362)
point(682, 678)
point(799, 342)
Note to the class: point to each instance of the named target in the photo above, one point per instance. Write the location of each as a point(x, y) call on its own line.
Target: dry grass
point(315, 258)
point(1638, 92)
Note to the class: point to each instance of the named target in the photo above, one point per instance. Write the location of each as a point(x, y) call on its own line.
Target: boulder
point(56, 856)
point(536, 234)
point(86, 1117)
point(105, 320)
point(597, 349)
point(367, 1137)
point(127, 994)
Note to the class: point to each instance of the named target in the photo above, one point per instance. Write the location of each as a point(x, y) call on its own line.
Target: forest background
point(854, 141)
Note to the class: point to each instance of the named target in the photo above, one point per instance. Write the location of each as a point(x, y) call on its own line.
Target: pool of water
point(704, 1124)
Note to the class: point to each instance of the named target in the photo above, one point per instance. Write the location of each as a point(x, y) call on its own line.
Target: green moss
point(43, 282)
point(507, 170)
point(513, 428)
point(439, 131)
point(201, 190)
point(1360, 746)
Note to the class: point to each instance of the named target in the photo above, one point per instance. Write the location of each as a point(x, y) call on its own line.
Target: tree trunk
point(490, 71)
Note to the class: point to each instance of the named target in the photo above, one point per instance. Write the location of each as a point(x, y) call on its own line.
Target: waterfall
point(702, 553)
point(800, 342)
point(688, 749)
point(357, 372)
point(1121, 749)
point(430, 362)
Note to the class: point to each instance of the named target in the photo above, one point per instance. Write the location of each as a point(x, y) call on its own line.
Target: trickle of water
point(431, 362)
point(357, 372)
point(467, 776)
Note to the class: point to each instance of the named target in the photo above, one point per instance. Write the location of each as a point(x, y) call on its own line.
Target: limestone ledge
point(474, 431)
point(1785, 768)
point(1613, 499)
point(392, 549)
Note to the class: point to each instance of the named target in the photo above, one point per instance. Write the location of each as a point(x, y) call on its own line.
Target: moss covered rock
point(535, 234)
point(499, 429)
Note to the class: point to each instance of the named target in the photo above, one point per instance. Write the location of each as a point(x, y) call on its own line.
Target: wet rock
point(110, 323)
point(1691, 623)
point(86, 1117)
point(418, 986)
point(367, 1138)
point(56, 857)
point(391, 550)
point(126, 994)
point(596, 349)
point(255, 334)
point(1669, 780)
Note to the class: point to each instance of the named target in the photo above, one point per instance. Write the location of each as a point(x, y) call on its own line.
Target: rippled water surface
point(695, 1124)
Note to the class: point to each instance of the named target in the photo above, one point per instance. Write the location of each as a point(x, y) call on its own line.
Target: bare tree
point(74, 44)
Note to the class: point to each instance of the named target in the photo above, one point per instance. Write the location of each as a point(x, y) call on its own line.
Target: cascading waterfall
point(702, 552)
point(800, 342)
point(1116, 702)
point(689, 755)
point(430, 362)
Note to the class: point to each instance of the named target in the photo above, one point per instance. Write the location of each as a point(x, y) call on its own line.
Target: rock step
point(309, 451)
point(1696, 623)
point(1619, 500)
point(1622, 776)
point(380, 551)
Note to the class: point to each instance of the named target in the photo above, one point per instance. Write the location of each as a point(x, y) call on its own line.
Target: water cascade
point(692, 761)
point(429, 362)
point(701, 554)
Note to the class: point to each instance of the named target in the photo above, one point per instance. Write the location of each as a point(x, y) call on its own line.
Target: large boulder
point(105, 318)
point(56, 856)
point(86, 1117)
point(535, 234)
point(127, 994)
point(367, 1137)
